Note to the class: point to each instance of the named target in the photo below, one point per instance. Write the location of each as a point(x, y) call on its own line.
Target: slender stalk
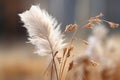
point(74, 34)
point(53, 57)
point(51, 72)
point(54, 63)
point(64, 63)
point(66, 76)
point(64, 54)
point(63, 68)
point(51, 62)
point(73, 37)
point(60, 70)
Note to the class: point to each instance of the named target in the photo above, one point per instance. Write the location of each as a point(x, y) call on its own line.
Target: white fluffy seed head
point(44, 31)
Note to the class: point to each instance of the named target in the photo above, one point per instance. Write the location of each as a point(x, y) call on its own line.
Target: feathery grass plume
point(44, 31)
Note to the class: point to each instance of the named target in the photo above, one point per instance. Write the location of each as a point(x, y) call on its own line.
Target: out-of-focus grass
point(19, 63)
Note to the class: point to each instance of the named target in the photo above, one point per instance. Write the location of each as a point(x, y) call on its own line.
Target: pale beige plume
point(44, 31)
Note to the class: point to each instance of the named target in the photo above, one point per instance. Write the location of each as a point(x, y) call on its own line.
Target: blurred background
point(15, 53)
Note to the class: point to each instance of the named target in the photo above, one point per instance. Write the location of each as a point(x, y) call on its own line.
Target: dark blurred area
point(11, 30)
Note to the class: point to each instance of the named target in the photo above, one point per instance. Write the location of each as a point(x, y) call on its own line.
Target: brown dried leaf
point(89, 25)
point(70, 66)
point(96, 19)
point(113, 25)
point(71, 27)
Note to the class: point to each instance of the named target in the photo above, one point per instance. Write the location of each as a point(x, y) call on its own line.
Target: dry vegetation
point(100, 59)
